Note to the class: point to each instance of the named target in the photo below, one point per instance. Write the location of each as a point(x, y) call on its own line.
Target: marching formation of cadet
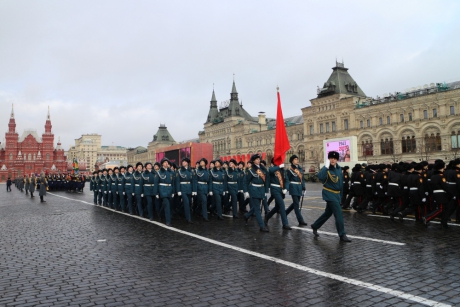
point(32, 183)
point(424, 190)
point(164, 190)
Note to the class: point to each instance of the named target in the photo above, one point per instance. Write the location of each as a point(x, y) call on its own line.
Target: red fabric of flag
point(281, 139)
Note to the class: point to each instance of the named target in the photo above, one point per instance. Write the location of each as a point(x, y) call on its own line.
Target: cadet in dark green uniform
point(128, 187)
point(185, 186)
point(257, 183)
point(164, 190)
point(332, 178)
point(120, 188)
point(278, 190)
point(138, 187)
point(148, 179)
point(218, 187)
point(295, 184)
point(93, 186)
point(233, 183)
point(202, 177)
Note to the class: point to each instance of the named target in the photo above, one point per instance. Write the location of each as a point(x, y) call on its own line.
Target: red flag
point(281, 139)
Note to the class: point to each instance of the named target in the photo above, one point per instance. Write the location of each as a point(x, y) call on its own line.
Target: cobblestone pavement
point(69, 252)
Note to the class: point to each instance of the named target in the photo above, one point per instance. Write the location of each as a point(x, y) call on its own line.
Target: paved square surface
point(69, 252)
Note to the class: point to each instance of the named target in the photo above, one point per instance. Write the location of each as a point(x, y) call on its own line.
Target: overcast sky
point(120, 68)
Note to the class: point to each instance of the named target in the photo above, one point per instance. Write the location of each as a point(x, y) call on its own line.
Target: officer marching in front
point(295, 184)
point(332, 178)
point(257, 182)
point(164, 190)
point(186, 187)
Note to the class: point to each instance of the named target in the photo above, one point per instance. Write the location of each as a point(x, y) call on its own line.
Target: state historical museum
point(29, 153)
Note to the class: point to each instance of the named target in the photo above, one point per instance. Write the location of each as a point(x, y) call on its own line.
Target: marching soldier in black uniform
point(416, 193)
point(346, 188)
point(368, 196)
point(357, 188)
point(380, 187)
point(394, 190)
point(442, 196)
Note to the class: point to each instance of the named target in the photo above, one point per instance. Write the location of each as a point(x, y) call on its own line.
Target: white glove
point(380, 187)
point(210, 193)
point(240, 191)
point(142, 195)
point(266, 194)
point(376, 193)
point(116, 192)
point(246, 195)
point(105, 192)
point(193, 193)
point(386, 193)
point(123, 193)
point(223, 194)
point(284, 191)
point(423, 200)
point(327, 163)
point(179, 193)
point(455, 197)
point(100, 191)
point(281, 165)
point(110, 191)
point(133, 194)
point(158, 196)
point(426, 193)
point(172, 195)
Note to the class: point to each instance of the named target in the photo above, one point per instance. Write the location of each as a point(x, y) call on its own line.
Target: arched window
point(386, 146)
point(47, 156)
point(368, 148)
point(408, 144)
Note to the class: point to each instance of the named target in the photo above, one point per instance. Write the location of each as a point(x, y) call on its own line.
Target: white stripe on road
point(400, 294)
point(410, 219)
point(350, 236)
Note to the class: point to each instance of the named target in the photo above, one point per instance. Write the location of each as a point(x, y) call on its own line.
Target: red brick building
point(28, 153)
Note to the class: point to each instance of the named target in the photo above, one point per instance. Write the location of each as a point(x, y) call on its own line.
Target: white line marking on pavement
point(102, 240)
point(351, 281)
point(351, 236)
point(409, 219)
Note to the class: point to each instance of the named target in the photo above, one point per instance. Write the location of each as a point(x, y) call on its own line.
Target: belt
point(405, 188)
point(119, 184)
point(216, 182)
point(413, 189)
point(257, 185)
point(429, 179)
point(368, 186)
point(165, 184)
point(295, 182)
point(275, 185)
point(136, 185)
point(113, 183)
point(377, 183)
point(439, 191)
point(331, 190)
point(148, 185)
point(232, 182)
point(356, 182)
point(200, 182)
point(127, 183)
point(392, 183)
point(185, 182)
point(451, 183)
